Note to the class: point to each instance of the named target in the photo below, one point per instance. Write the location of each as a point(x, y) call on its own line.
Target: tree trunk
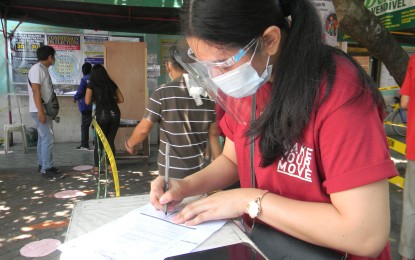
point(366, 29)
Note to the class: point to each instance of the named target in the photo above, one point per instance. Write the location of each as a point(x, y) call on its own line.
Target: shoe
point(59, 176)
point(51, 168)
point(82, 148)
point(52, 174)
point(47, 176)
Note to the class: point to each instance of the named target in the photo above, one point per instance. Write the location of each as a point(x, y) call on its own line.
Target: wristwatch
point(254, 207)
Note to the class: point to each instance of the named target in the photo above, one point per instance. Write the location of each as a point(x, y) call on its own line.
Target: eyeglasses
point(227, 63)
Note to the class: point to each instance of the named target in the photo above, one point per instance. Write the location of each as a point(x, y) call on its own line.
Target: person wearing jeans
point(40, 89)
point(44, 142)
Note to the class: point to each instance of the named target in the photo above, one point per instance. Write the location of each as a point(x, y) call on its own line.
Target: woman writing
point(103, 91)
point(303, 126)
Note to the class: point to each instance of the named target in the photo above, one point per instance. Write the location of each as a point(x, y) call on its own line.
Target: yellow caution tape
point(400, 148)
point(388, 88)
point(391, 123)
point(397, 146)
point(110, 155)
point(398, 181)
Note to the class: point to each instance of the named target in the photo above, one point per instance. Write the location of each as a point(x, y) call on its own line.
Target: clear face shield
point(229, 86)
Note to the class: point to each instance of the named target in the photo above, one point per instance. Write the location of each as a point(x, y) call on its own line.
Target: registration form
point(143, 233)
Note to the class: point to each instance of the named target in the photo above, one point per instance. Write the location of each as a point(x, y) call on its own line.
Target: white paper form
point(144, 233)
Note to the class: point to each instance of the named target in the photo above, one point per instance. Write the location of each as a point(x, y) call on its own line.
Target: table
point(91, 214)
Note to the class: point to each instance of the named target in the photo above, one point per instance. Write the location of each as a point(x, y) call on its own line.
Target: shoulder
point(85, 78)
point(347, 83)
point(35, 68)
point(35, 73)
point(172, 88)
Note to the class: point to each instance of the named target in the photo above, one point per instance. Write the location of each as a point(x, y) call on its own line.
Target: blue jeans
point(44, 142)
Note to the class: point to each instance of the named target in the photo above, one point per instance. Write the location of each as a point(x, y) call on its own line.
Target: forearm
point(404, 101)
point(140, 132)
point(349, 227)
point(217, 175)
point(120, 97)
point(215, 146)
point(88, 96)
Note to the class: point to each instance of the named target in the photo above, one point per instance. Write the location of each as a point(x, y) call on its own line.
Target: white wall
point(68, 130)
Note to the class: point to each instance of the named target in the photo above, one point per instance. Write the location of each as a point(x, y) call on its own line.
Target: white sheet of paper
point(144, 233)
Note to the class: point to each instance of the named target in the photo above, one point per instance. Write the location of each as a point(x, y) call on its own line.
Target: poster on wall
point(329, 21)
point(93, 48)
point(23, 48)
point(394, 15)
point(67, 68)
point(72, 51)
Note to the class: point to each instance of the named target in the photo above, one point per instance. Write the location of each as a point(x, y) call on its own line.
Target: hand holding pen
point(166, 173)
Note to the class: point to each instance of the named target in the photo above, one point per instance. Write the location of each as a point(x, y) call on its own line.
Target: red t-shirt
point(407, 89)
point(344, 146)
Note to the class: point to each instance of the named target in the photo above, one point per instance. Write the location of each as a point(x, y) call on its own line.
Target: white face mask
point(242, 81)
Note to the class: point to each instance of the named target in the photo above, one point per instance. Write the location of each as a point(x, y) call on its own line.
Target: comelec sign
point(394, 14)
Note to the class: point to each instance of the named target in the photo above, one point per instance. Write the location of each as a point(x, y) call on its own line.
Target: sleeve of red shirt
point(351, 138)
point(409, 81)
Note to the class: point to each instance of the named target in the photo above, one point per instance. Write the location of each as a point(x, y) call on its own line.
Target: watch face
point(253, 209)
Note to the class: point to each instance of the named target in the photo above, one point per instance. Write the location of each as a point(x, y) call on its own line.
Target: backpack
point(52, 106)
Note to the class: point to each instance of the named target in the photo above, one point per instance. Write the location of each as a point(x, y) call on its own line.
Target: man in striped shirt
point(185, 122)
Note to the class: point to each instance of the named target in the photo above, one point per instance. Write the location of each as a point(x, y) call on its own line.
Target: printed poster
point(329, 21)
point(67, 68)
point(93, 48)
point(394, 14)
point(23, 48)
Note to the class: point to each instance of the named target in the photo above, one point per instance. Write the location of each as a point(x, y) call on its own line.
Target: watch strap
point(258, 202)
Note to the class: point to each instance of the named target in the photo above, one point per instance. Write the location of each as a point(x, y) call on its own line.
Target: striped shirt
point(183, 124)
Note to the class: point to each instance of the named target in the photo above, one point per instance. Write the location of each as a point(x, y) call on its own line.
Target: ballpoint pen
point(166, 173)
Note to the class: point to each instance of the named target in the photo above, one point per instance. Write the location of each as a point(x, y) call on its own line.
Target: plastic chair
point(14, 128)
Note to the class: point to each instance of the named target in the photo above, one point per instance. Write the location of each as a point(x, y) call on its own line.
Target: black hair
point(86, 68)
point(303, 61)
point(103, 88)
point(172, 59)
point(44, 51)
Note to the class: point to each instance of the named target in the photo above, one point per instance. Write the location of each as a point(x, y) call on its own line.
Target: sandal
point(95, 171)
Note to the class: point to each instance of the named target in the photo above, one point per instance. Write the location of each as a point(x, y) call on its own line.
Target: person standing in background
point(186, 122)
point(407, 240)
point(106, 95)
point(86, 110)
point(40, 88)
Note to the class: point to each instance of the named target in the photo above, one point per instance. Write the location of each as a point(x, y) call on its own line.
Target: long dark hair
point(303, 60)
point(104, 88)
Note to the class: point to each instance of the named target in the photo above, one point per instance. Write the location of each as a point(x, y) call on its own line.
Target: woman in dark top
point(103, 91)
